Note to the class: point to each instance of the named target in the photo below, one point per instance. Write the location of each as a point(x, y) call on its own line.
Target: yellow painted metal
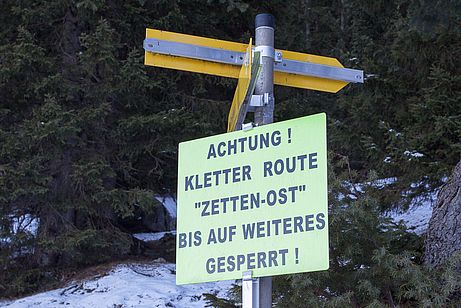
point(233, 71)
point(241, 90)
point(193, 65)
point(307, 82)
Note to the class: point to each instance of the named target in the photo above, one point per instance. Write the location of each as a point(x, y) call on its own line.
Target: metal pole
point(265, 115)
point(265, 83)
point(250, 290)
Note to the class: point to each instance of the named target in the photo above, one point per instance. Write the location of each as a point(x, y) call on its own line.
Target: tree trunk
point(54, 220)
point(444, 232)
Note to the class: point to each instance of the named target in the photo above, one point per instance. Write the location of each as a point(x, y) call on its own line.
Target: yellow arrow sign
point(241, 90)
point(189, 64)
point(168, 58)
point(309, 82)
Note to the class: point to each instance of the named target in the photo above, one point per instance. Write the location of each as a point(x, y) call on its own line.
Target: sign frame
point(304, 249)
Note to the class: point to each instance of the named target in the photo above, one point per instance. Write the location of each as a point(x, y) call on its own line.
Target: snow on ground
point(417, 217)
point(25, 223)
point(419, 213)
point(128, 285)
point(153, 285)
point(169, 203)
point(153, 236)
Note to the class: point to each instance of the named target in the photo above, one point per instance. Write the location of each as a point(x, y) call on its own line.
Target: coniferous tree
point(88, 134)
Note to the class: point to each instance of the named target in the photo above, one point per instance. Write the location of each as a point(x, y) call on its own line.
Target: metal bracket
point(260, 100)
point(247, 126)
point(319, 70)
point(194, 51)
point(278, 56)
point(266, 51)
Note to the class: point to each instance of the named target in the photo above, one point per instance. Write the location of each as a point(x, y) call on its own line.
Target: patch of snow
point(25, 223)
point(169, 203)
point(359, 188)
point(416, 218)
point(414, 154)
point(342, 262)
point(382, 183)
point(372, 146)
point(147, 237)
point(352, 196)
point(370, 76)
point(394, 132)
point(419, 213)
point(129, 285)
point(387, 160)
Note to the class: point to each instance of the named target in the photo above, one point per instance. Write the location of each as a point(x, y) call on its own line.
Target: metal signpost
point(264, 34)
point(249, 198)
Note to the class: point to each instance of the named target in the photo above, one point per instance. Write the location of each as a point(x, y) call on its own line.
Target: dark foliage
point(88, 134)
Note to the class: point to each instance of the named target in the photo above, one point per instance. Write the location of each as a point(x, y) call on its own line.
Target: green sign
point(253, 200)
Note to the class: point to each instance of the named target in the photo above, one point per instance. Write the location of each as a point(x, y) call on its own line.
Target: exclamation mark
point(289, 135)
point(296, 256)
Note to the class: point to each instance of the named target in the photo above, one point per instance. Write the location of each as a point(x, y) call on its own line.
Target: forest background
point(88, 134)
